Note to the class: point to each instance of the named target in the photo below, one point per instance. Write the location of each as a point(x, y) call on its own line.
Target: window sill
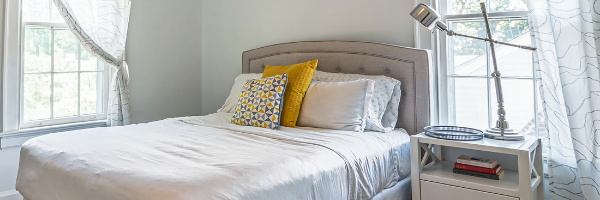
point(15, 139)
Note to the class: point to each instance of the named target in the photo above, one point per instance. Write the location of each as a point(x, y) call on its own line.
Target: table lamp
point(431, 19)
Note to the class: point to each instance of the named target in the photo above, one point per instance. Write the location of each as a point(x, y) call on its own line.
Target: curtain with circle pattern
point(101, 28)
point(566, 34)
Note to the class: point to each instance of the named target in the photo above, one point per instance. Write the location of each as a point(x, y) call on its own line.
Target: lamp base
point(506, 134)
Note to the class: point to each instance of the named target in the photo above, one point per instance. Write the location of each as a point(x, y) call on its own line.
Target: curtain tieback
point(122, 68)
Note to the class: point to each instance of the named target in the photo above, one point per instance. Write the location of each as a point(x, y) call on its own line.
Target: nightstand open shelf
point(442, 173)
point(427, 167)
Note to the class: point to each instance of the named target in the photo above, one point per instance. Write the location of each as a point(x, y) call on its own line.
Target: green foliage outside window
point(39, 89)
point(502, 30)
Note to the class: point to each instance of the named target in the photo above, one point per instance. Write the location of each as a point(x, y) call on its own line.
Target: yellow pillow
point(299, 78)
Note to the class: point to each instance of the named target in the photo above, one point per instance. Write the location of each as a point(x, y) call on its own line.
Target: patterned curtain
point(567, 35)
point(101, 27)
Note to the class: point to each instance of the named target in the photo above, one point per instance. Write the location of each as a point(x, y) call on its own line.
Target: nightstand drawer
point(435, 191)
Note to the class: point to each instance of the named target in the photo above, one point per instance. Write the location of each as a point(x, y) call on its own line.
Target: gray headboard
point(410, 66)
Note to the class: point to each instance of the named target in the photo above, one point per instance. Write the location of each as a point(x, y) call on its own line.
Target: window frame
point(445, 103)
point(13, 76)
point(59, 120)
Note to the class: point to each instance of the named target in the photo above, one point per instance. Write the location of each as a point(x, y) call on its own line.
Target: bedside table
point(432, 177)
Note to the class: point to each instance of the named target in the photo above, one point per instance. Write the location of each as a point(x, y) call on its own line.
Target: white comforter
point(208, 158)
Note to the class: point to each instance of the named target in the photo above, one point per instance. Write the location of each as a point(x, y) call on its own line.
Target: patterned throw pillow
point(260, 102)
point(384, 91)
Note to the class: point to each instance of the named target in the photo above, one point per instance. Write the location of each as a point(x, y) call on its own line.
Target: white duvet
point(209, 158)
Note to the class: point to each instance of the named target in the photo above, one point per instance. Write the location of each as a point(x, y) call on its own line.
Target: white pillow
point(337, 105)
point(236, 90)
point(384, 90)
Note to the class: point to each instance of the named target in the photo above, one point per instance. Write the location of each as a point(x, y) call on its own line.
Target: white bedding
point(209, 158)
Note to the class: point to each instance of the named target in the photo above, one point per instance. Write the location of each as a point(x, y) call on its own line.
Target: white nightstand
point(432, 177)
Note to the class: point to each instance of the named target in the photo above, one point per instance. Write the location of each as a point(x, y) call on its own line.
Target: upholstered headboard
point(410, 66)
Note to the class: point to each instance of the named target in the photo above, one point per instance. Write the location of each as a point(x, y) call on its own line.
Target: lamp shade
point(426, 16)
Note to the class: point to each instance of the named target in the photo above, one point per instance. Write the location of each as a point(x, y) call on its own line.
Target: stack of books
point(479, 167)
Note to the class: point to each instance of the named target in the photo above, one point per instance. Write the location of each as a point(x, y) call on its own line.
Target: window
point(467, 81)
point(58, 80)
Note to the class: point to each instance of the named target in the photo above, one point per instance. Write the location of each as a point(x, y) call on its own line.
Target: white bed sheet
point(209, 158)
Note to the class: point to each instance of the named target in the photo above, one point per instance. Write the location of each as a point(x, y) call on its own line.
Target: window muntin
point(60, 81)
point(471, 90)
point(459, 7)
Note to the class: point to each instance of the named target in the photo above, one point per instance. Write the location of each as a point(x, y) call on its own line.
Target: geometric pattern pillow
point(261, 102)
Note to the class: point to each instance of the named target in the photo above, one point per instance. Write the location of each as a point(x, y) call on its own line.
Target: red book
point(494, 170)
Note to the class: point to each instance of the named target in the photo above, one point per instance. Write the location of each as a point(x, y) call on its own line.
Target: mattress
point(207, 157)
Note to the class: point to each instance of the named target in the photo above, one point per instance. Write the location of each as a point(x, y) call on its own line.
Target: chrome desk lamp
point(431, 19)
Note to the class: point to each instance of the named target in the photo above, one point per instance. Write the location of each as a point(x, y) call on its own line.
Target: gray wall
point(231, 27)
point(164, 58)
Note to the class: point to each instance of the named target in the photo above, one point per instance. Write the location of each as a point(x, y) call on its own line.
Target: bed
point(206, 157)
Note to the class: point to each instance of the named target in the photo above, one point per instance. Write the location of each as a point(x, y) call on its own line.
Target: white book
point(474, 161)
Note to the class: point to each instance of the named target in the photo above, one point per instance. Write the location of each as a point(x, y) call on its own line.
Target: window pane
point(91, 93)
point(65, 94)
point(518, 103)
point(513, 61)
point(508, 5)
point(456, 7)
point(468, 55)
point(65, 50)
point(89, 62)
point(36, 10)
point(56, 17)
point(37, 50)
point(36, 92)
point(471, 103)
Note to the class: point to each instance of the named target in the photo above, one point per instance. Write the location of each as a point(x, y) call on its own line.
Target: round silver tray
point(453, 133)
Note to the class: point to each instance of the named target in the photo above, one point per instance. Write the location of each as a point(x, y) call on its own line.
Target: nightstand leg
point(415, 168)
point(524, 176)
point(539, 166)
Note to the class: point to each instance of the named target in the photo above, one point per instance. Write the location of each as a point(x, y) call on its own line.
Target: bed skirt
point(401, 191)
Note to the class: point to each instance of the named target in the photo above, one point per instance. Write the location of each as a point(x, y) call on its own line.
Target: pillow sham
point(260, 102)
point(390, 116)
point(337, 105)
point(299, 78)
point(384, 87)
point(234, 94)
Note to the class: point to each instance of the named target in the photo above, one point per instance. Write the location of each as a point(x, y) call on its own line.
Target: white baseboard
point(8, 193)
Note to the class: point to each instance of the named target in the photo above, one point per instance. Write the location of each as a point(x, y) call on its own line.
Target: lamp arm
point(452, 33)
point(515, 45)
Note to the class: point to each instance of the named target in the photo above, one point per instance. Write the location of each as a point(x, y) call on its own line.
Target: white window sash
point(12, 116)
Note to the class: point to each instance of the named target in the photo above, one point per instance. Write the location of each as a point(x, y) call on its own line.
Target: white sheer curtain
point(101, 27)
point(567, 36)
